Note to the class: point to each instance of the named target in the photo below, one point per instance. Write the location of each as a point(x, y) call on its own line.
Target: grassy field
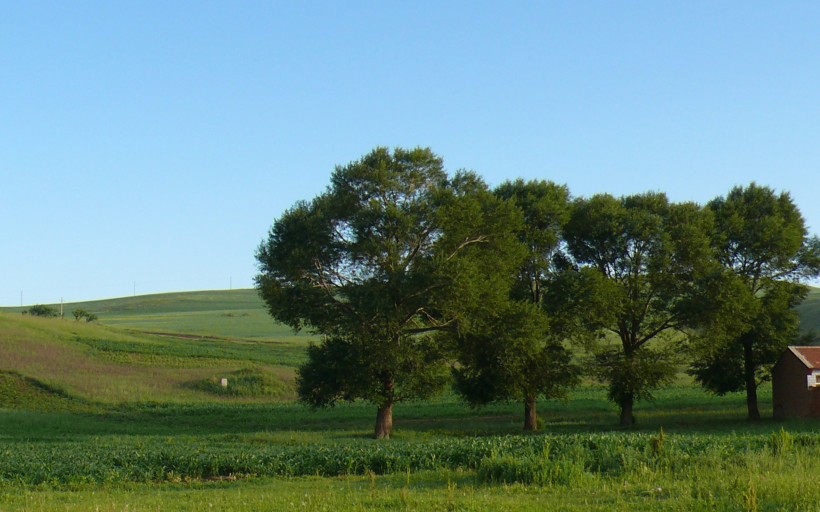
point(223, 313)
point(104, 416)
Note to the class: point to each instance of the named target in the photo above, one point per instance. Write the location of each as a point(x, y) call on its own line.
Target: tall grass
point(691, 472)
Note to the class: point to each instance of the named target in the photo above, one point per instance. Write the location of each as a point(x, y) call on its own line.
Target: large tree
point(513, 353)
point(648, 254)
point(392, 253)
point(763, 246)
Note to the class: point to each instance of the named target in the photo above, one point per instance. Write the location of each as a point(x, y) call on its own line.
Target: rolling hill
point(241, 314)
point(222, 313)
point(169, 348)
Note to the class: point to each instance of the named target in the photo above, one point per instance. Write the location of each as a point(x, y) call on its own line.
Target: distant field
point(221, 313)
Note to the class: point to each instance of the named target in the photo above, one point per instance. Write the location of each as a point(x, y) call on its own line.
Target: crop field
point(129, 413)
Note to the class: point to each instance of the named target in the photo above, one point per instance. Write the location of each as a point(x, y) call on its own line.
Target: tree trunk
point(530, 414)
point(384, 421)
point(626, 404)
point(751, 382)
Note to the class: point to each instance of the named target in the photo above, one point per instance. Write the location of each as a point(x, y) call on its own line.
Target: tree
point(761, 242)
point(513, 354)
point(81, 313)
point(545, 207)
point(41, 310)
point(393, 253)
point(649, 254)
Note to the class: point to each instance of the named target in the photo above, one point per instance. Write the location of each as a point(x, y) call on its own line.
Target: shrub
point(247, 382)
point(41, 310)
point(81, 313)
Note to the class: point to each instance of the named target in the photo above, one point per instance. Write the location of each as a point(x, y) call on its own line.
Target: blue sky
point(149, 146)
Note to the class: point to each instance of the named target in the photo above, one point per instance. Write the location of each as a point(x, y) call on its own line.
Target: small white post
point(224, 382)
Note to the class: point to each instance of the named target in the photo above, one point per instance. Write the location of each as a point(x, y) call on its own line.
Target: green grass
point(104, 416)
point(108, 365)
point(235, 314)
point(771, 486)
point(809, 312)
point(250, 457)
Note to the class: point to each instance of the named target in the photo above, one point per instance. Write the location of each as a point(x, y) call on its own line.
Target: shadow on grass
point(685, 409)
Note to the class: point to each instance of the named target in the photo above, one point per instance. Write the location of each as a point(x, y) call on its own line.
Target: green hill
point(50, 360)
point(241, 314)
point(222, 313)
point(810, 314)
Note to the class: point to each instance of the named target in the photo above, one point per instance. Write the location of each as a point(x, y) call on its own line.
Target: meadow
point(128, 413)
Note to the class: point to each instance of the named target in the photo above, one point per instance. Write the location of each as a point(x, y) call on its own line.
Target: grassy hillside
point(241, 314)
point(223, 313)
point(106, 364)
point(810, 314)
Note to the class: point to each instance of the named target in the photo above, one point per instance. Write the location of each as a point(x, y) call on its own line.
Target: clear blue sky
point(148, 146)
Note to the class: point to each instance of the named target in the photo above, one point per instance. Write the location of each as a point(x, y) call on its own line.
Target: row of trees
point(46, 311)
point(414, 279)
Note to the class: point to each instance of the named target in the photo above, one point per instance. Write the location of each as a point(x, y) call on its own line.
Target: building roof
point(809, 356)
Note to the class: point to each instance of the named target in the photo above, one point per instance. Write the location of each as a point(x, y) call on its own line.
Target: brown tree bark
point(530, 414)
point(627, 417)
point(751, 382)
point(384, 421)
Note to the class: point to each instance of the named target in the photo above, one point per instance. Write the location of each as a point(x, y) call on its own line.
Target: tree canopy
point(392, 253)
point(513, 353)
point(761, 242)
point(648, 253)
point(414, 278)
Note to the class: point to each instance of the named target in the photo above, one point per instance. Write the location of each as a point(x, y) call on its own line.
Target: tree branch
point(465, 243)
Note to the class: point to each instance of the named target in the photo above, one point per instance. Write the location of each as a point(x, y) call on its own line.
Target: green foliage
point(511, 352)
point(81, 313)
point(532, 470)
point(393, 251)
point(649, 254)
point(764, 325)
point(545, 207)
point(512, 356)
point(761, 242)
point(247, 382)
point(782, 442)
point(566, 460)
point(636, 376)
point(41, 310)
point(332, 373)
